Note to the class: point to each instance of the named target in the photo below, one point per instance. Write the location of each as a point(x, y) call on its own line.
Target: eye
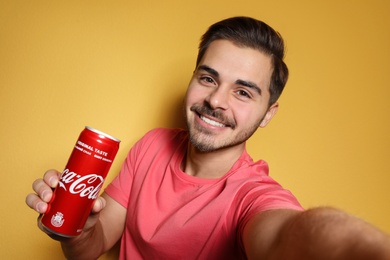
point(243, 93)
point(207, 80)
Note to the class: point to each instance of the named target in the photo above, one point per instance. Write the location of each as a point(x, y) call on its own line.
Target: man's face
point(227, 98)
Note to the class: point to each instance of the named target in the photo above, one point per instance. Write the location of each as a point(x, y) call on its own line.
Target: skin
point(223, 109)
point(226, 102)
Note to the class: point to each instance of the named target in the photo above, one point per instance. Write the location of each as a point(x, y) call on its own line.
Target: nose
point(218, 98)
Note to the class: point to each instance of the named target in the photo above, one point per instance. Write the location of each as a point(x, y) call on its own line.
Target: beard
point(205, 140)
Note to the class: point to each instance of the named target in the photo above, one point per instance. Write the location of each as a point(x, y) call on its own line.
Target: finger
point(51, 177)
point(98, 205)
point(34, 202)
point(43, 190)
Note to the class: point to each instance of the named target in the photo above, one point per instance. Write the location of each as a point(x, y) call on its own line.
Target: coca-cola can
point(80, 183)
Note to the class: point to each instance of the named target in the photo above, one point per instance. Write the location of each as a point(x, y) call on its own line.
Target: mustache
point(205, 109)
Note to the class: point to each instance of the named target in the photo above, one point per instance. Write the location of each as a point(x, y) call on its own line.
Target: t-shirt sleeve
point(270, 195)
point(264, 193)
point(265, 197)
point(274, 197)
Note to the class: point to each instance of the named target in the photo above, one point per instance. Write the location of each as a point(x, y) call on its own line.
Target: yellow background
point(123, 66)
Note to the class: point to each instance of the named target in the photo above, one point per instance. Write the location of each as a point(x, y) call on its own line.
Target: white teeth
point(211, 122)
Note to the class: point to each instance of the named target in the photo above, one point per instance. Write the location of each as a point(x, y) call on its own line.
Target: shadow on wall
point(177, 114)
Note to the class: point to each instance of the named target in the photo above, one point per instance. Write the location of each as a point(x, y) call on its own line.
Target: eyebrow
point(209, 70)
point(241, 82)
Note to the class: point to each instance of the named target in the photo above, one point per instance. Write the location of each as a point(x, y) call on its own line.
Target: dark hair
point(252, 33)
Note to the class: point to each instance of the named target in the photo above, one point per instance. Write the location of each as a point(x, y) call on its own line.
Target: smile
point(211, 122)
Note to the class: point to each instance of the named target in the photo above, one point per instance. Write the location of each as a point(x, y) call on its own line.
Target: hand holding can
point(80, 183)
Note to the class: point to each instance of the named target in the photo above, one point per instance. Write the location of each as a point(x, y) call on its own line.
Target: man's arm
point(102, 230)
point(320, 233)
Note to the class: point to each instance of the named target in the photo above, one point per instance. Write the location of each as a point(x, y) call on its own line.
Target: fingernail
point(53, 181)
point(100, 203)
point(45, 196)
point(40, 207)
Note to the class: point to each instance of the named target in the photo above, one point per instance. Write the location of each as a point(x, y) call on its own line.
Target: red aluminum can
point(80, 183)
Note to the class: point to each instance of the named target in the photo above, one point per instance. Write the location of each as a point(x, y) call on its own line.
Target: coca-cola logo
point(85, 186)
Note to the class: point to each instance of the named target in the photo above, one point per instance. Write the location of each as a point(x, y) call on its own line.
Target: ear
point(269, 115)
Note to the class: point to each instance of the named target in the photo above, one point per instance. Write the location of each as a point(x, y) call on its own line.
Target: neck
point(211, 165)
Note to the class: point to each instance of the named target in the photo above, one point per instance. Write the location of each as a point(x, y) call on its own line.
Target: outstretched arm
point(320, 233)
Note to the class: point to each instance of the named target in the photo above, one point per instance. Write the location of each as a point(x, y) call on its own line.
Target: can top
point(104, 134)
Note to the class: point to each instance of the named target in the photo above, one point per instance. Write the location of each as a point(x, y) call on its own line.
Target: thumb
point(98, 205)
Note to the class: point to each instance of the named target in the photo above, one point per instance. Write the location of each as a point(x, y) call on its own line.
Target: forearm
point(326, 233)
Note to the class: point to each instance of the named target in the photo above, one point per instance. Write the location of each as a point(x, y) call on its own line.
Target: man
point(197, 194)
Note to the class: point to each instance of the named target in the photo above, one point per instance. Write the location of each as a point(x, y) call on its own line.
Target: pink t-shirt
point(172, 215)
